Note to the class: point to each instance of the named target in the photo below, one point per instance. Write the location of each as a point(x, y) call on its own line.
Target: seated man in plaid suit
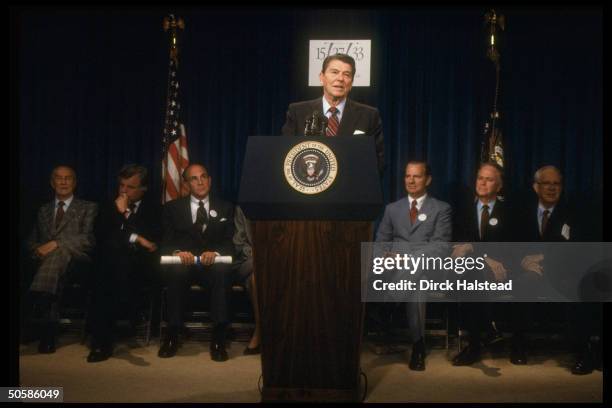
point(63, 234)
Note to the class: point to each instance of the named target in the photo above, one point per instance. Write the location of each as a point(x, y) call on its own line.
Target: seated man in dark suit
point(551, 220)
point(345, 116)
point(417, 218)
point(127, 231)
point(62, 235)
point(197, 225)
point(486, 219)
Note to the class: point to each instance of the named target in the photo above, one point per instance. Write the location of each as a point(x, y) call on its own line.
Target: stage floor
point(136, 374)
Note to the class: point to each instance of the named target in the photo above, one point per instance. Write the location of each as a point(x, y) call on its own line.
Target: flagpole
point(492, 145)
point(174, 142)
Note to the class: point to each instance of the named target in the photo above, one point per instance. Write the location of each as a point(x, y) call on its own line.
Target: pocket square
point(223, 219)
point(359, 132)
point(565, 231)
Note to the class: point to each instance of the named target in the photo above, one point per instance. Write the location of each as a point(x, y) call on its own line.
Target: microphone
point(176, 260)
point(315, 124)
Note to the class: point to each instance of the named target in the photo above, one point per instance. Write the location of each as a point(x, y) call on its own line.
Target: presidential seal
point(310, 167)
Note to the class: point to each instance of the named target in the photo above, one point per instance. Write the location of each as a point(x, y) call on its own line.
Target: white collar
point(419, 200)
point(541, 208)
point(340, 106)
point(196, 201)
point(491, 204)
point(67, 202)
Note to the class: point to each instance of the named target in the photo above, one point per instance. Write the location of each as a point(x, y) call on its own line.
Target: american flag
point(175, 157)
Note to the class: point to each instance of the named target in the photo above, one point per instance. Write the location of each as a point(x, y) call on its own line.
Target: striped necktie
point(332, 123)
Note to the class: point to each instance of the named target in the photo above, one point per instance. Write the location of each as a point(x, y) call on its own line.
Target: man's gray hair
point(538, 174)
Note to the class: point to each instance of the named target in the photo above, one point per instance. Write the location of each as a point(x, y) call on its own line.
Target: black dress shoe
point(518, 356)
point(46, 347)
point(469, 355)
point(217, 351)
point(583, 366)
point(48, 335)
point(585, 362)
point(169, 347)
point(98, 354)
point(493, 336)
point(251, 351)
point(417, 360)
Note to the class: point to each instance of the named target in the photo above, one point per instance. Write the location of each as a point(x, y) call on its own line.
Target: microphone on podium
point(316, 124)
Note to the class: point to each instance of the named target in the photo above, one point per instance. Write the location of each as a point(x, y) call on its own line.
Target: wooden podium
point(307, 267)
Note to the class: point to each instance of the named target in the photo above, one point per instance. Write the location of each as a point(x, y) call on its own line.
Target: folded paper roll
point(176, 260)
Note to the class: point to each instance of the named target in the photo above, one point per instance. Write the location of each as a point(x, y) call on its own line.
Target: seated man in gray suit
point(63, 233)
point(419, 218)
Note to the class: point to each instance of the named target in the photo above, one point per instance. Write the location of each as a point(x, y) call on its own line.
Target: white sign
point(360, 50)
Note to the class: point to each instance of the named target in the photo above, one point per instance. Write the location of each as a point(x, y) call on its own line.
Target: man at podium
point(344, 116)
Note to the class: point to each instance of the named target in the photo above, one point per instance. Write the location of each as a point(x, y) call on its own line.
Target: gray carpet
point(136, 374)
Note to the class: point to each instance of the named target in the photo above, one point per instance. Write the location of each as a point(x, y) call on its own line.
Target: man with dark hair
point(128, 230)
point(417, 219)
point(197, 225)
point(345, 117)
point(62, 236)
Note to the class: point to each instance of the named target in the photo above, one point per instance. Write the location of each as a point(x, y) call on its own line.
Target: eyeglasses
point(202, 177)
point(64, 178)
point(549, 184)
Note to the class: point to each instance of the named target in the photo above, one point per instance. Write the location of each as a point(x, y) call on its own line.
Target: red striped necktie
point(413, 212)
point(332, 123)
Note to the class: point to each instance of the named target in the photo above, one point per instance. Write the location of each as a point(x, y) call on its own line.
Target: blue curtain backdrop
point(92, 89)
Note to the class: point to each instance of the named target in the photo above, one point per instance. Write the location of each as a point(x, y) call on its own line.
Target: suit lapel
point(534, 227)
point(555, 223)
point(404, 210)
point(48, 214)
point(185, 210)
point(492, 229)
point(316, 105)
point(349, 117)
point(135, 219)
point(212, 221)
point(496, 211)
point(424, 210)
point(474, 214)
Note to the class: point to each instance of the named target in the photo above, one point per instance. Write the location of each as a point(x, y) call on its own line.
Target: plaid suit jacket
point(75, 238)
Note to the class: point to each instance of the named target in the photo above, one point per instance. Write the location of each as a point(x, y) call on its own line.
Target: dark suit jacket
point(180, 233)
point(466, 230)
point(118, 259)
point(113, 230)
point(466, 224)
point(560, 216)
point(356, 116)
point(557, 270)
